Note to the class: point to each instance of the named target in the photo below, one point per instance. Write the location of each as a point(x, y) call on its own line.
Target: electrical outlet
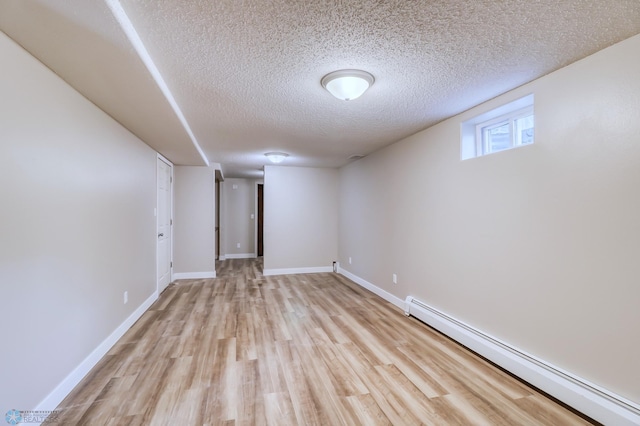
point(349, 260)
point(126, 297)
point(238, 245)
point(395, 279)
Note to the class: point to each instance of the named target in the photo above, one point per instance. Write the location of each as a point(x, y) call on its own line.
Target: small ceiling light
point(276, 157)
point(347, 84)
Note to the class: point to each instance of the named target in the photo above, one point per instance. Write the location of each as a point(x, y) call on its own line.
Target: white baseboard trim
point(193, 275)
point(290, 271)
point(71, 381)
point(588, 398)
point(240, 256)
point(372, 288)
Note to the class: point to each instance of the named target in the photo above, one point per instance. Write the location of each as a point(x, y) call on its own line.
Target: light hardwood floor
point(299, 349)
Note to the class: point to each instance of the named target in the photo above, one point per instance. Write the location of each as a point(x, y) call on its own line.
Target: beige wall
point(194, 221)
point(238, 203)
point(537, 246)
point(300, 217)
point(77, 227)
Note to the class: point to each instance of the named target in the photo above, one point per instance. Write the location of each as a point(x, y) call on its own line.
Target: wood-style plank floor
point(294, 350)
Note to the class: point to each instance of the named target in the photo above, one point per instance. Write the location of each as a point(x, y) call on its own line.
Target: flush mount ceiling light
point(347, 84)
point(276, 157)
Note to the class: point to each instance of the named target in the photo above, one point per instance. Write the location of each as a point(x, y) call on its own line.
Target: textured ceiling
point(246, 73)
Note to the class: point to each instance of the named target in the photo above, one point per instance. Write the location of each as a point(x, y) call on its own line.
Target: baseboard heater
point(588, 398)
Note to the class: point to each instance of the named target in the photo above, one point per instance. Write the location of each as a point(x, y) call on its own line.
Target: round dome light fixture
point(276, 157)
point(347, 84)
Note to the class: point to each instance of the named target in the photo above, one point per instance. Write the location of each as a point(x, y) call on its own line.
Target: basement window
point(506, 127)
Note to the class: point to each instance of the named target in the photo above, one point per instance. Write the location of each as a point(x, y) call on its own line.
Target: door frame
point(162, 158)
point(218, 180)
point(256, 216)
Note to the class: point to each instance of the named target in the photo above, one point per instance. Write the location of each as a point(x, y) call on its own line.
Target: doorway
point(164, 222)
point(217, 226)
point(259, 231)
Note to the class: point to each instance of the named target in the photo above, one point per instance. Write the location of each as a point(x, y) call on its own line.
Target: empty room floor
point(311, 349)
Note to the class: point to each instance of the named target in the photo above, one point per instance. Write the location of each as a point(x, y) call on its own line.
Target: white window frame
point(482, 144)
point(472, 140)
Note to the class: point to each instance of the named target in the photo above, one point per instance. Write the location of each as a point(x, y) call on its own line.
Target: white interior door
point(164, 173)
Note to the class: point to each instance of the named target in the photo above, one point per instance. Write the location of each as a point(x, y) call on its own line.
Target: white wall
point(194, 222)
point(77, 227)
point(300, 218)
point(238, 203)
point(537, 246)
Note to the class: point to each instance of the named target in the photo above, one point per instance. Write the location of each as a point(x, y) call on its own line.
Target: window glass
point(524, 130)
point(497, 138)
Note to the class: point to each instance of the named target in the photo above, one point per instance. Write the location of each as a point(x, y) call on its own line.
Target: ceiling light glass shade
point(276, 157)
point(347, 84)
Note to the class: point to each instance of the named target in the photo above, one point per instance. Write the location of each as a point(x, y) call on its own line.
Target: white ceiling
point(246, 74)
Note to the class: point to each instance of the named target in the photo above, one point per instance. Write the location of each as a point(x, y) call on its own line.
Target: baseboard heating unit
point(588, 398)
